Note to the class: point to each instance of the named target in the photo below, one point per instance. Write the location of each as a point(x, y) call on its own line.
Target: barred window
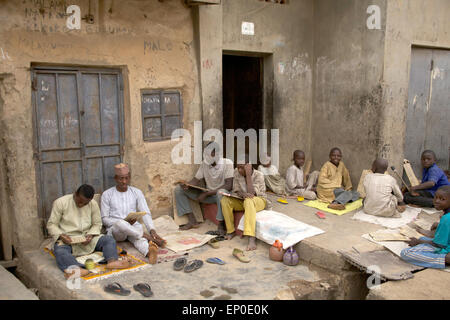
point(162, 112)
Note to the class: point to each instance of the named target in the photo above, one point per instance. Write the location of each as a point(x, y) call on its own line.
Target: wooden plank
point(307, 170)
point(5, 223)
point(410, 173)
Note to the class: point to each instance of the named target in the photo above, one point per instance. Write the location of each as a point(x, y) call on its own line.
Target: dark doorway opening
point(242, 94)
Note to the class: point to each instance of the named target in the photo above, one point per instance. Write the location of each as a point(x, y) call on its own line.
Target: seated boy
point(383, 196)
point(335, 186)
point(75, 215)
point(274, 181)
point(249, 185)
point(432, 251)
point(294, 178)
point(432, 179)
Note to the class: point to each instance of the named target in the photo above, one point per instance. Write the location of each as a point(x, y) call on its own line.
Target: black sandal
point(144, 289)
point(116, 288)
point(179, 263)
point(193, 265)
point(213, 233)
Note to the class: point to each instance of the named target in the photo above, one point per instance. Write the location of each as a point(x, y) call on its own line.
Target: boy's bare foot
point(152, 252)
point(189, 226)
point(221, 228)
point(192, 222)
point(336, 206)
point(230, 236)
point(117, 264)
point(70, 272)
point(251, 243)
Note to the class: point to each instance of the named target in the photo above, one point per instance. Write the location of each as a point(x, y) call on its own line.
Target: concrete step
point(12, 289)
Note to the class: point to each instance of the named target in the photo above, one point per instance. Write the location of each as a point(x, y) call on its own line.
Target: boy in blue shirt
point(433, 251)
point(432, 179)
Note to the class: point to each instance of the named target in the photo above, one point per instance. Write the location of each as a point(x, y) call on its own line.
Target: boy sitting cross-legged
point(433, 250)
point(334, 185)
point(294, 178)
point(432, 178)
point(383, 196)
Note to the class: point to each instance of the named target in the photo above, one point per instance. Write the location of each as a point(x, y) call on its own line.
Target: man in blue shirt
point(432, 179)
point(433, 250)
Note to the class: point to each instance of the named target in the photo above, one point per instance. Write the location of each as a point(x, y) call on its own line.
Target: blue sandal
point(215, 261)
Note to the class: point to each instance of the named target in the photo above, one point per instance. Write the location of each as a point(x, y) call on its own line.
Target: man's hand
point(401, 208)
point(184, 187)
point(413, 242)
point(88, 239)
point(159, 241)
point(132, 221)
point(434, 226)
point(202, 196)
point(65, 238)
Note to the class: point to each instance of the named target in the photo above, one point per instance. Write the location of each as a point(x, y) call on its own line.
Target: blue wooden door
point(428, 115)
point(79, 130)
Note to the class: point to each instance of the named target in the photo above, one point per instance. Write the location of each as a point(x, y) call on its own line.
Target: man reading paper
point(117, 203)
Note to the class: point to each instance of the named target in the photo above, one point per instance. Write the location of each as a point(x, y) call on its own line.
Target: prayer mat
point(351, 206)
point(390, 267)
point(177, 240)
point(407, 216)
point(100, 272)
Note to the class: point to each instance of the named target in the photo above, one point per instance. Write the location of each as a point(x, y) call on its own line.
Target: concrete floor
point(259, 279)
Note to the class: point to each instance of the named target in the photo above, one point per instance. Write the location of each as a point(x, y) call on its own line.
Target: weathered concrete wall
point(283, 34)
point(151, 41)
point(347, 106)
point(409, 23)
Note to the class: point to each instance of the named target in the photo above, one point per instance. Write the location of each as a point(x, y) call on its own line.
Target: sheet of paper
point(135, 215)
point(77, 239)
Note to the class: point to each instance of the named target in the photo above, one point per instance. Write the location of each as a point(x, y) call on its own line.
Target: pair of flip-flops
point(116, 288)
point(182, 263)
point(215, 261)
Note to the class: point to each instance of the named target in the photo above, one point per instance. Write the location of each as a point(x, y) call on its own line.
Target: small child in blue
point(432, 179)
point(433, 251)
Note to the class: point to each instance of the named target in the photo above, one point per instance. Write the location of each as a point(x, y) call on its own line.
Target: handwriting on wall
point(157, 45)
point(33, 44)
point(4, 55)
point(207, 63)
